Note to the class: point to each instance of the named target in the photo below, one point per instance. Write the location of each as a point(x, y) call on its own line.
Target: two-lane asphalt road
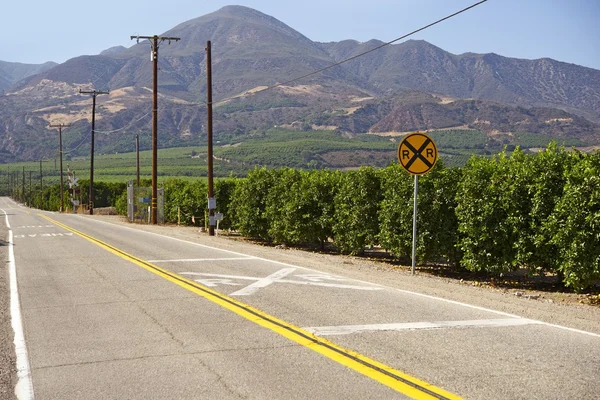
point(111, 311)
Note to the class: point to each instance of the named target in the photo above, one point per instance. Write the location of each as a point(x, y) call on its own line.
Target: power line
point(354, 57)
point(127, 126)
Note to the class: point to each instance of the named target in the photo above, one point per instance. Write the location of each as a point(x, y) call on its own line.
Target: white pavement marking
point(350, 329)
point(264, 282)
point(295, 282)
point(216, 282)
point(202, 259)
point(24, 387)
point(355, 280)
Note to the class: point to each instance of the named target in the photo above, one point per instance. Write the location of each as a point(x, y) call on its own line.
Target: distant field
point(274, 148)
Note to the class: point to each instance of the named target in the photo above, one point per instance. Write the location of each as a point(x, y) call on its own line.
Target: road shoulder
point(8, 371)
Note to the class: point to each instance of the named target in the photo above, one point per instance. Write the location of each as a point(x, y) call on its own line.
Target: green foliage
point(437, 222)
point(488, 202)
point(281, 148)
point(459, 139)
point(187, 198)
point(437, 233)
point(224, 189)
point(249, 202)
point(300, 207)
point(280, 211)
point(396, 211)
point(576, 224)
point(121, 203)
point(546, 179)
point(355, 224)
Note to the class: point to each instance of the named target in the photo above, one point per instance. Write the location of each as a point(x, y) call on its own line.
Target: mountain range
point(403, 87)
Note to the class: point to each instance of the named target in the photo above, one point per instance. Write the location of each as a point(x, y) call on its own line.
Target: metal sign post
point(414, 241)
point(417, 153)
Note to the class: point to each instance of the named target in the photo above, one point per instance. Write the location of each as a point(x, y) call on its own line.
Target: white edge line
point(356, 280)
point(24, 386)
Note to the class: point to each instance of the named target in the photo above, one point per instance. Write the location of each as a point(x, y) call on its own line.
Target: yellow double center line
point(377, 371)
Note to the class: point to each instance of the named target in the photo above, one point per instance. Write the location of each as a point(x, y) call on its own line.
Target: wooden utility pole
point(94, 93)
point(211, 195)
point(155, 40)
point(137, 154)
point(41, 187)
point(60, 150)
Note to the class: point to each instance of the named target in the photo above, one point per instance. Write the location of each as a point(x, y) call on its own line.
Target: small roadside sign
point(417, 153)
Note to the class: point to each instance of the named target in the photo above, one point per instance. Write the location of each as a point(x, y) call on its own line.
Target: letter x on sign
point(417, 153)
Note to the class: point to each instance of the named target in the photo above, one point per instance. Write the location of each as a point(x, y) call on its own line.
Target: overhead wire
point(125, 127)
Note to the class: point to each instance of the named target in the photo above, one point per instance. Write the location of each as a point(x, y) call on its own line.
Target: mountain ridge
point(252, 50)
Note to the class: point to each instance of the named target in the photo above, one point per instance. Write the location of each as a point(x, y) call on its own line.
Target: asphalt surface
point(108, 316)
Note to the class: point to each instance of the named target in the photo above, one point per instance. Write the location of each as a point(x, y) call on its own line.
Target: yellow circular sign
point(417, 153)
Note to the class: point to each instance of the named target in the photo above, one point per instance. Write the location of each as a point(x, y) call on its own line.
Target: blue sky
point(36, 31)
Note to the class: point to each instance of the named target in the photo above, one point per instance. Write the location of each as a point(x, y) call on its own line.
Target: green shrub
point(484, 213)
point(355, 224)
point(576, 224)
point(249, 202)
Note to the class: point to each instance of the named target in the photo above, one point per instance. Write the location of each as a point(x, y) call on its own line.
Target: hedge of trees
point(536, 212)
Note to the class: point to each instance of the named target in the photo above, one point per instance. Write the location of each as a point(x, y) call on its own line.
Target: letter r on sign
point(405, 154)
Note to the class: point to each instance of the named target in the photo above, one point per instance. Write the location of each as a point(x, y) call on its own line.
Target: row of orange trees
point(538, 212)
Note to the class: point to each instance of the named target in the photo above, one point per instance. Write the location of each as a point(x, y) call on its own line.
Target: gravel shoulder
point(558, 308)
point(8, 372)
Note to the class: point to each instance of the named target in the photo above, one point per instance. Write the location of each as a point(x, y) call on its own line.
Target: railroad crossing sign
point(417, 153)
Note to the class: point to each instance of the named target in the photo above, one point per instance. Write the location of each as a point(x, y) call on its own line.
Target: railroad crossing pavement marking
point(213, 280)
point(264, 282)
point(384, 374)
point(351, 329)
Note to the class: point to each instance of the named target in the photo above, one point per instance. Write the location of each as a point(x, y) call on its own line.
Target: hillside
point(11, 72)
point(403, 87)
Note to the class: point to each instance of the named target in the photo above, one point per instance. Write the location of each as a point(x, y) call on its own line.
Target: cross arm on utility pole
point(161, 38)
point(94, 92)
